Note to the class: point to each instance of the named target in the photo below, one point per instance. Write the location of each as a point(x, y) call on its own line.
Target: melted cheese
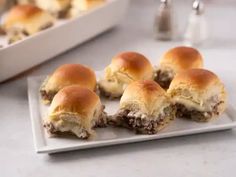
point(192, 105)
point(115, 88)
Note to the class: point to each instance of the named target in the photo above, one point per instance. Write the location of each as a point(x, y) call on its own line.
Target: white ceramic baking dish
point(64, 35)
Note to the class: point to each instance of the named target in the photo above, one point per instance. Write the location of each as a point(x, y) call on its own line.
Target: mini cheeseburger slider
point(65, 75)
point(198, 94)
point(175, 60)
point(27, 19)
point(77, 110)
point(124, 69)
point(58, 8)
point(144, 108)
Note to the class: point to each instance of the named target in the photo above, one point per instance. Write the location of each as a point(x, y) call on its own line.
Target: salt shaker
point(163, 24)
point(196, 31)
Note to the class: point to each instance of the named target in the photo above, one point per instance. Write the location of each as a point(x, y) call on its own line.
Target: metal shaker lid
point(198, 7)
point(166, 2)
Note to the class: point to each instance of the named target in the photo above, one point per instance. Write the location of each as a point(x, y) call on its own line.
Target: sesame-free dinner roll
point(65, 75)
point(27, 18)
point(124, 69)
point(175, 60)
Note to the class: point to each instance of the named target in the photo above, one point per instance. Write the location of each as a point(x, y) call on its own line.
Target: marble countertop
point(211, 154)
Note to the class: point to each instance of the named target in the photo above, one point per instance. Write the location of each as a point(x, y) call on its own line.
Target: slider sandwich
point(66, 75)
point(75, 110)
point(176, 60)
point(198, 94)
point(144, 108)
point(124, 69)
point(25, 20)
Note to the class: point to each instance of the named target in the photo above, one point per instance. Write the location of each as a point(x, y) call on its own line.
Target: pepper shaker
point(5, 5)
point(163, 22)
point(196, 31)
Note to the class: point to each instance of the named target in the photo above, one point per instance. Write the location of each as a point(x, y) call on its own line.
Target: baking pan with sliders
point(47, 28)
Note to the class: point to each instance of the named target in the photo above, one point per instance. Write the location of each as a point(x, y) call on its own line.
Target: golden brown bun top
point(75, 100)
point(197, 78)
point(144, 88)
point(146, 96)
point(27, 18)
point(181, 58)
point(21, 13)
point(54, 6)
point(134, 64)
point(70, 74)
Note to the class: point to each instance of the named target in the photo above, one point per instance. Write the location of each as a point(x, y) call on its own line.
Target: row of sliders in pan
point(28, 17)
point(187, 91)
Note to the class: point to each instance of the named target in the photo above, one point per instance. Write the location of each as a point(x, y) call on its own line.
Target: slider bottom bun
point(69, 124)
point(141, 123)
point(64, 128)
point(163, 77)
point(197, 115)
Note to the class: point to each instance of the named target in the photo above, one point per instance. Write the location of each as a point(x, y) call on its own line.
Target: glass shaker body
point(163, 22)
point(196, 32)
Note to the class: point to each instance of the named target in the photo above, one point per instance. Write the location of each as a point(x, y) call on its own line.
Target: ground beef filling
point(163, 78)
point(202, 116)
point(102, 120)
point(2, 31)
point(63, 13)
point(47, 96)
point(16, 34)
point(46, 26)
point(142, 124)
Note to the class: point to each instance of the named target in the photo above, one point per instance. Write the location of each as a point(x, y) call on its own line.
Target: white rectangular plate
point(111, 136)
